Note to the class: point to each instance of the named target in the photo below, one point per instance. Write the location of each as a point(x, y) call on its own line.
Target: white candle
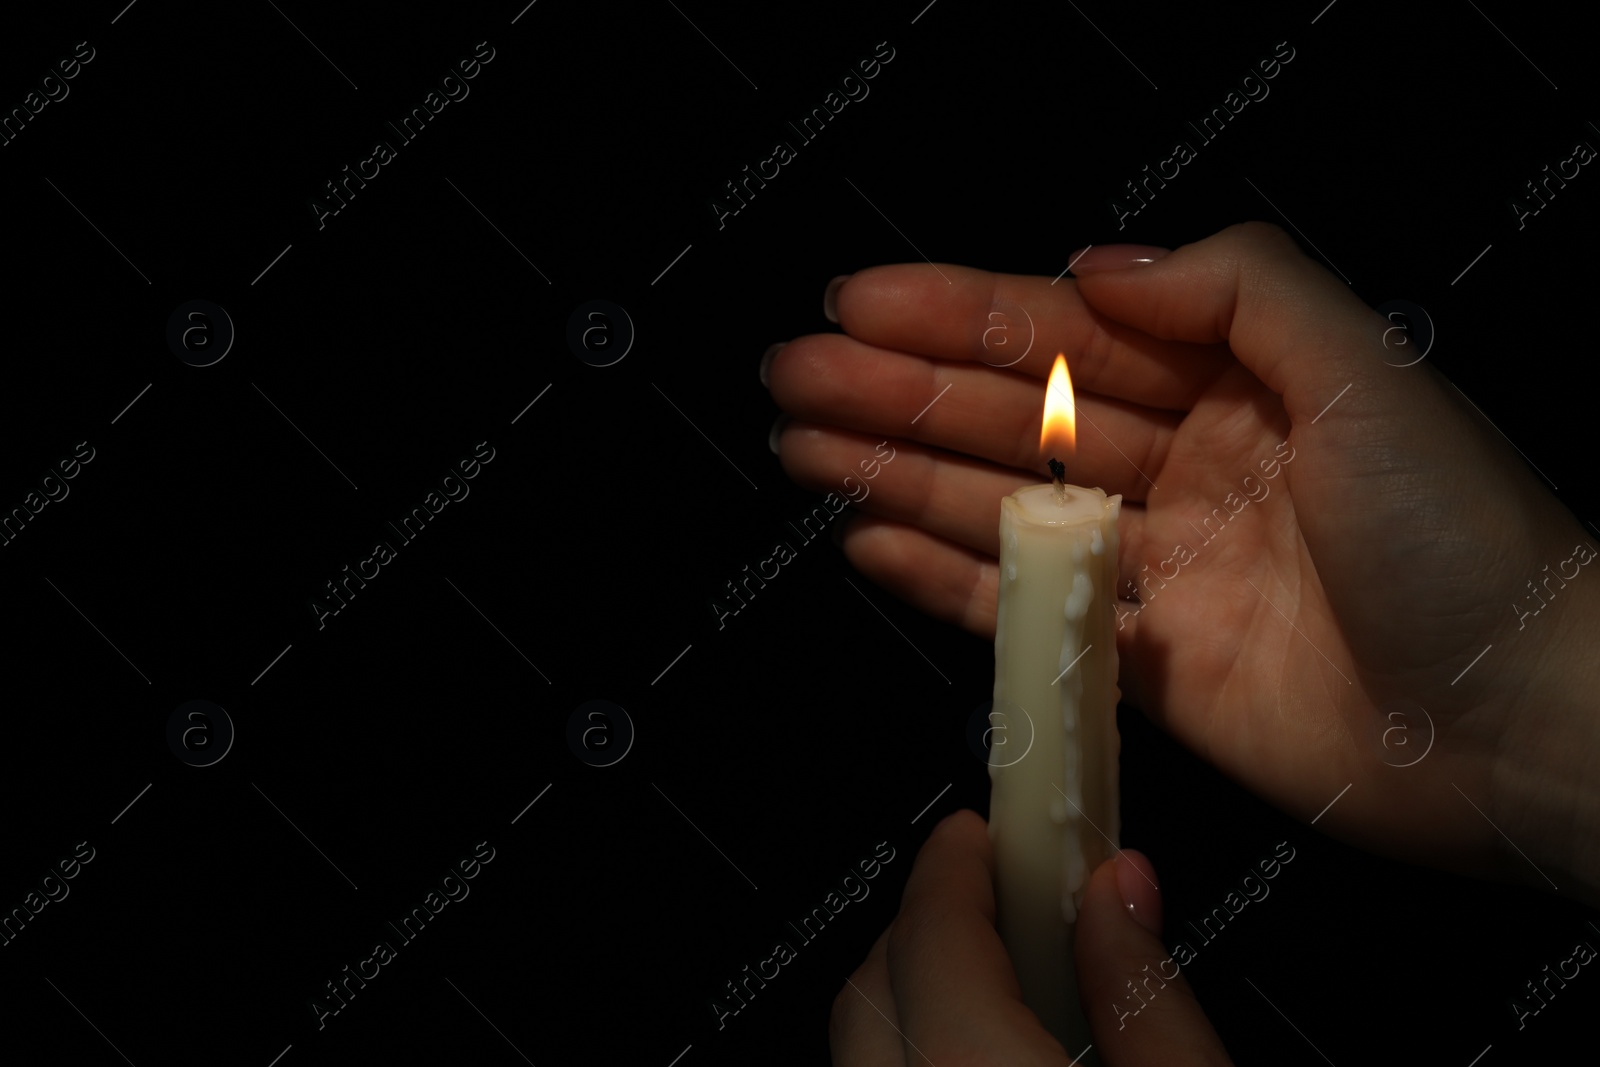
point(1053, 803)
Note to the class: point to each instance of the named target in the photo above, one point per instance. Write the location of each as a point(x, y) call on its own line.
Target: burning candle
point(1054, 744)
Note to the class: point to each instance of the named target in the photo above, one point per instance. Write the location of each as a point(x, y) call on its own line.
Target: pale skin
point(1396, 532)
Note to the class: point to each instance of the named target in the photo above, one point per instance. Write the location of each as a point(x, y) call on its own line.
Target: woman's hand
point(938, 988)
point(1320, 538)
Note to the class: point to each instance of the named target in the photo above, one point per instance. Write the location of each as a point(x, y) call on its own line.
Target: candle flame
point(1059, 433)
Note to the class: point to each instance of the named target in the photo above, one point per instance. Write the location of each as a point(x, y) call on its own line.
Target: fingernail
point(766, 361)
point(830, 298)
point(841, 525)
point(777, 432)
point(1113, 257)
point(1141, 893)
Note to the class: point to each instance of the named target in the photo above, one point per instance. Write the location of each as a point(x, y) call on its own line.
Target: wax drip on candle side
point(1076, 609)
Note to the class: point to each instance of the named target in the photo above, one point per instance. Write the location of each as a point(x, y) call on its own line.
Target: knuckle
point(913, 928)
point(845, 1013)
point(1094, 358)
point(839, 1012)
point(1259, 233)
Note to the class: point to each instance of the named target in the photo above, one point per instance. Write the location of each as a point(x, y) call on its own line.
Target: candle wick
point(1059, 470)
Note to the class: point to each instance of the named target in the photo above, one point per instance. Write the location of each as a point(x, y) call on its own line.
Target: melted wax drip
point(1076, 610)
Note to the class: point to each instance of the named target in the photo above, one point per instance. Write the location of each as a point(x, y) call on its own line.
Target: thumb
point(1140, 1008)
point(1285, 317)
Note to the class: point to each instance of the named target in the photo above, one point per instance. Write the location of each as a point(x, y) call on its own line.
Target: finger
point(1139, 1006)
point(954, 986)
point(863, 1029)
point(957, 584)
point(979, 317)
point(948, 495)
point(951, 583)
point(980, 412)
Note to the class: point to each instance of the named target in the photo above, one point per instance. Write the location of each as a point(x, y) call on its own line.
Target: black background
point(430, 712)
